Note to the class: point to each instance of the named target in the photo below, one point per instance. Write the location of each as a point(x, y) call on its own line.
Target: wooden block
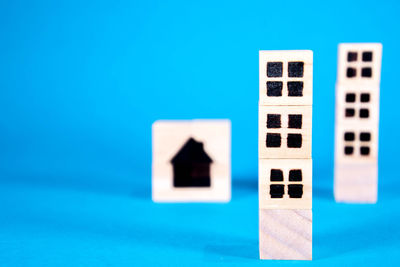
point(285, 183)
point(286, 77)
point(285, 234)
point(359, 63)
point(356, 143)
point(357, 104)
point(201, 171)
point(356, 182)
point(285, 131)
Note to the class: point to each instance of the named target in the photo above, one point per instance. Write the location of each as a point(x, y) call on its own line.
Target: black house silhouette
point(191, 166)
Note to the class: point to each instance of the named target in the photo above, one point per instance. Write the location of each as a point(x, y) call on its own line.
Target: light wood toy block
point(286, 77)
point(285, 131)
point(285, 234)
point(356, 143)
point(359, 63)
point(357, 104)
point(356, 183)
point(285, 183)
point(169, 137)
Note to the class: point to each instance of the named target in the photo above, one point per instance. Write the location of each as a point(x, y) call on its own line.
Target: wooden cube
point(191, 161)
point(357, 104)
point(285, 183)
point(356, 182)
point(285, 234)
point(359, 63)
point(284, 131)
point(356, 143)
point(286, 77)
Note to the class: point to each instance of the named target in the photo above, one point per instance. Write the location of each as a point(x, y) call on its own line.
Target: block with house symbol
point(284, 149)
point(191, 161)
point(357, 120)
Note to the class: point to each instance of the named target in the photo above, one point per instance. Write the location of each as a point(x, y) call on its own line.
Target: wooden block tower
point(357, 119)
point(284, 147)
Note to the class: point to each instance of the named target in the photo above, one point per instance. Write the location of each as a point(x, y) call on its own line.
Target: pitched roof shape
point(191, 151)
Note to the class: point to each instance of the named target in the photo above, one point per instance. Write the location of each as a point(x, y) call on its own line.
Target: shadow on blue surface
point(124, 228)
point(356, 237)
point(244, 186)
point(102, 184)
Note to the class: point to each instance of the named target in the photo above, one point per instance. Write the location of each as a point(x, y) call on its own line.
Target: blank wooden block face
point(285, 183)
point(191, 161)
point(286, 77)
point(285, 234)
point(285, 131)
point(356, 143)
point(359, 63)
point(356, 182)
point(357, 104)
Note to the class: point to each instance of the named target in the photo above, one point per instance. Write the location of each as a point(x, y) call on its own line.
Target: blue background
point(81, 83)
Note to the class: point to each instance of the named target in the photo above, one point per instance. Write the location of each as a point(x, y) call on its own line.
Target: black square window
point(364, 150)
point(295, 121)
point(364, 113)
point(349, 136)
point(276, 190)
point(367, 56)
point(294, 140)
point(295, 176)
point(276, 175)
point(351, 56)
point(348, 150)
point(295, 88)
point(365, 97)
point(350, 98)
point(273, 121)
point(349, 112)
point(351, 72)
point(365, 136)
point(274, 88)
point(274, 69)
point(296, 69)
point(366, 72)
point(273, 140)
point(295, 190)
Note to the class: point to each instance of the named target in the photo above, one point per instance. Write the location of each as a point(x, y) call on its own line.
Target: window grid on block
point(285, 131)
point(285, 78)
point(357, 143)
point(293, 139)
point(357, 105)
point(288, 184)
point(359, 64)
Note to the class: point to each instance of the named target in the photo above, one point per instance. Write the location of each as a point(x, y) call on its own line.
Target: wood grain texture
point(358, 63)
point(305, 56)
point(356, 182)
point(169, 136)
point(285, 234)
point(285, 165)
point(284, 151)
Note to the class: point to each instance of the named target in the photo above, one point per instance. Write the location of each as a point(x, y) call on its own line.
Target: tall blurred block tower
point(357, 120)
point(285, 164)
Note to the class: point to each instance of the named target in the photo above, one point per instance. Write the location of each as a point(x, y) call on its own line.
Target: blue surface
point(81, 83)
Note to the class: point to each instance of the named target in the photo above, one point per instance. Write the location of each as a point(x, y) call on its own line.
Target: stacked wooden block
point(357, 119)
point(285, 164)
point(191, 161)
